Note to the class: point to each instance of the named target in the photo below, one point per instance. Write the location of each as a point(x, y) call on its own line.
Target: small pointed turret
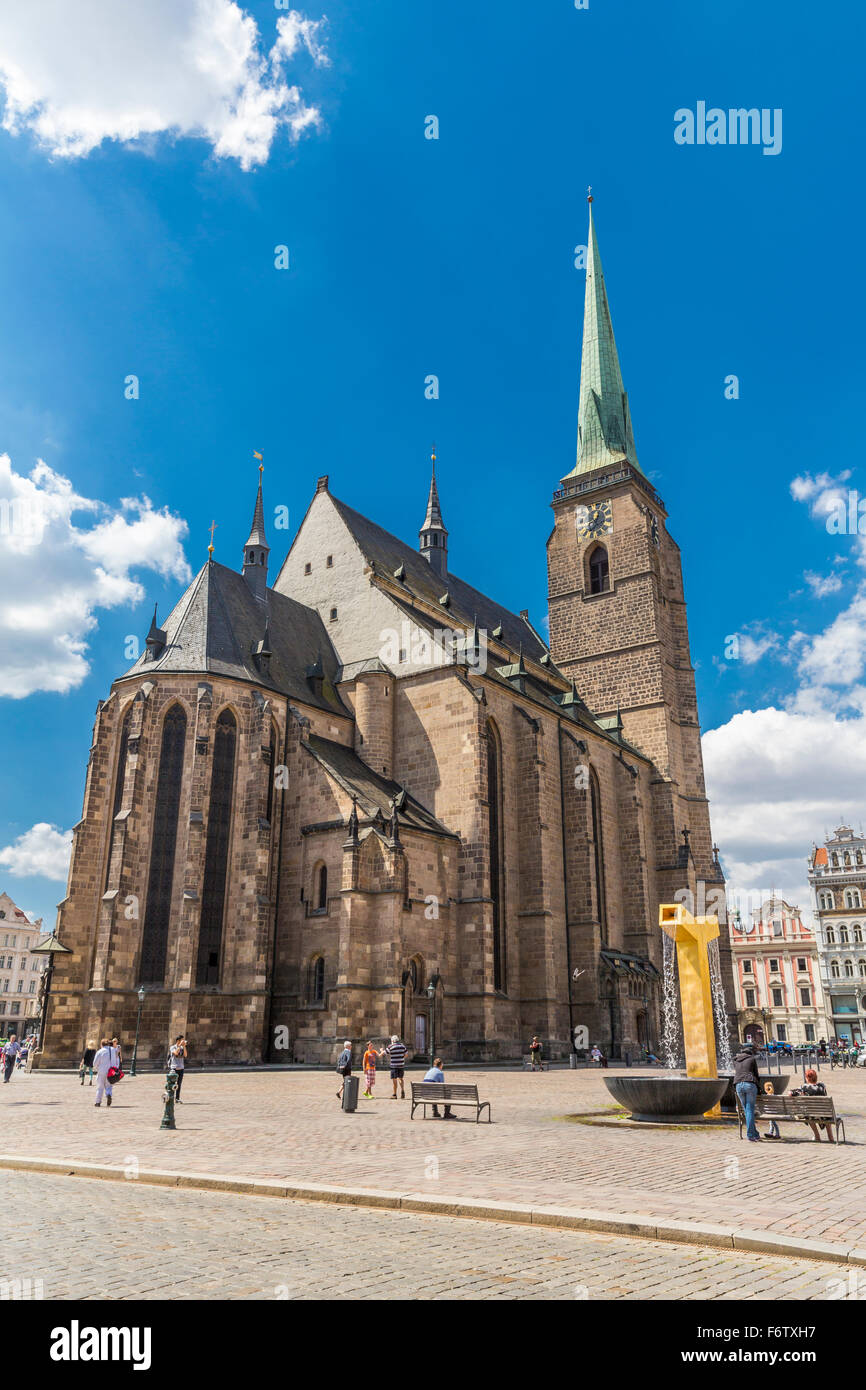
point(604, 432)
point(433, 538)
point(155, 639)
point(256, 550)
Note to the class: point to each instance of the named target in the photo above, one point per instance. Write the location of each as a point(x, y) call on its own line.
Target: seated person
point(437, 1074)
point(773, 1131)
point(814, 1087)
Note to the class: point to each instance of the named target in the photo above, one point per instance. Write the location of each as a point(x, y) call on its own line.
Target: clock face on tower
point(594, 520)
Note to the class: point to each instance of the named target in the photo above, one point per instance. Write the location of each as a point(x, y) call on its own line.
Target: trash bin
point(350, 1093)
point(572, 1061)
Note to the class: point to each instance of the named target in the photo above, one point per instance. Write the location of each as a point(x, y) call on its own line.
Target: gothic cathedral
point(364, 798)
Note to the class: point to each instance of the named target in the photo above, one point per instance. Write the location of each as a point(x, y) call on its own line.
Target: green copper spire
point(604, 433)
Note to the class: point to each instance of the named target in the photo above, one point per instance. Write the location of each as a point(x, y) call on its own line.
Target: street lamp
point(137, 1028)
point(431, 995)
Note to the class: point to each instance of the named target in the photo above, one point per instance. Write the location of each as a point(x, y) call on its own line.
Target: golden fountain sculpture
point(692, 936)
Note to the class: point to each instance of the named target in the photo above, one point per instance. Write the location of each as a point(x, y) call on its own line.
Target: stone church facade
point(366, 799)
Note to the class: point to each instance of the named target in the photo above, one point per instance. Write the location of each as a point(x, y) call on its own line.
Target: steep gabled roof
point(218, 625)
point(372, 792)
point(386, 553)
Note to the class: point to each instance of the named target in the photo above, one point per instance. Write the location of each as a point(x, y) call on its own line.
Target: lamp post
point(137, 1029)
point(431, 995)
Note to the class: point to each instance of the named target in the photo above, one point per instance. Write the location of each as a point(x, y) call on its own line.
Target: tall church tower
point(617, 610)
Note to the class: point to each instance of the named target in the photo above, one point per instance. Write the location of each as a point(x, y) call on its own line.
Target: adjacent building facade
point(777, 978)
point(837, 876)
point(20, 972)
point(365, 798)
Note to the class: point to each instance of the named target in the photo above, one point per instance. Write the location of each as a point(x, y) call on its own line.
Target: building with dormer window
point(837, 876)
point(777, 979)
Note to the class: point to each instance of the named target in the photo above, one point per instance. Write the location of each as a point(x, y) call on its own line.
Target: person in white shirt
point(176, 1062)
point(107, 1057)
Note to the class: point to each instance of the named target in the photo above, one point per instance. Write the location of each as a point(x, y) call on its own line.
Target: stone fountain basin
point(729, 1096)
point(667, 1099)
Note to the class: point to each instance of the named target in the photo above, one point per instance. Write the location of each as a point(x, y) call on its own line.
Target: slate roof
point(386, 553)
point(372, 791)
point(218, 623)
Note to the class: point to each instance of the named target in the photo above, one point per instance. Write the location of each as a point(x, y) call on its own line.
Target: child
point(369, 1065)
point(773, 1131)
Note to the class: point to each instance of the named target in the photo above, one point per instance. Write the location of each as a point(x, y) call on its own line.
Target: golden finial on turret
point(211, 528)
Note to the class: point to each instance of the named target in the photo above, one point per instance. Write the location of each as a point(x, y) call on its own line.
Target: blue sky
point(155, 257)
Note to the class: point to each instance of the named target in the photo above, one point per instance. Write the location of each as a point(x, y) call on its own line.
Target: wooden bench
point(443, 1093)
point(800, 1108)
point(527, 1063)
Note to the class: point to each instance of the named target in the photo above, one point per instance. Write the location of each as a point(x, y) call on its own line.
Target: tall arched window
point(834, 969)
point(321, 898)
point(599, 571)
point(157, 913)
point(827, 901)
point(216, 855)
point(849, 969)
point(858, 932)
point(598, 848)
point(861, 967)
point(852, 897)
point(830, 935)
point(272, 772)
point(843, 933)
point(494, 826)
point(119, 779)
point(317, 981)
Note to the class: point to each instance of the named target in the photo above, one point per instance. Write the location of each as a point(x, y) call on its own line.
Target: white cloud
point(777, 780)
point(42, 850)
point(76, 75)
point(823, 584)
point(292, 30)
point(57, 573)
point(821, 490)
point(753, 648)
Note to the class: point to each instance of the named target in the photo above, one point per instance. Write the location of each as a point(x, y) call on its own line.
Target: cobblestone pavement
point(288, 1125)
point(146, 1243)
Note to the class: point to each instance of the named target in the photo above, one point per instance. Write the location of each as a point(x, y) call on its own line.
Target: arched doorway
point(754, 1033)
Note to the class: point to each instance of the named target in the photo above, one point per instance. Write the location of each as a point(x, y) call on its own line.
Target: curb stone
point(563, 1218)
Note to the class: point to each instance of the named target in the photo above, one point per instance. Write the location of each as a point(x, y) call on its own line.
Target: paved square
point(289, 1126)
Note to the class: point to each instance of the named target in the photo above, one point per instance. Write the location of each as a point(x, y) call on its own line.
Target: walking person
point(86, 1063)
point(107, 1059)
point(396, 1054)
point(369, 1065)
point(746, 1082)
point(11, 1053)
point(177, 1063)
point(534, 1055)
point(344, 1066)
point(437, 1074)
